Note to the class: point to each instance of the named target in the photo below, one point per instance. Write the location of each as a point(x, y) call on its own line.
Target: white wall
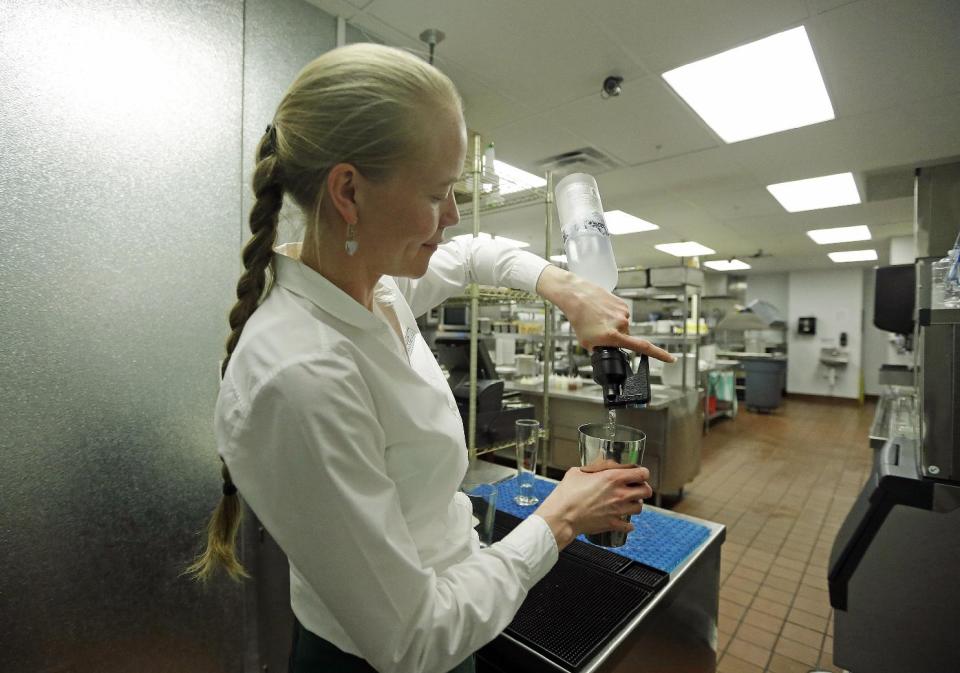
point(902, 250)
point(836, 299)
point(770, 287)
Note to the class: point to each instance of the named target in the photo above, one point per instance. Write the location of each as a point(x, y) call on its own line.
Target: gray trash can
point(764, 383)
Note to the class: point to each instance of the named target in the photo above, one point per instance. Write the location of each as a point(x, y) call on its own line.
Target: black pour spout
point(622, 387)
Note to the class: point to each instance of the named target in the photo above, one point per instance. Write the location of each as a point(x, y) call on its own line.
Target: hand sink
point(834, 357)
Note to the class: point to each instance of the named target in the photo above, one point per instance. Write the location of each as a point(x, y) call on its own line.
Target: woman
point(333, 417)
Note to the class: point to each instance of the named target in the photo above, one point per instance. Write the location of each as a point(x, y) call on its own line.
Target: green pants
point(310, 653)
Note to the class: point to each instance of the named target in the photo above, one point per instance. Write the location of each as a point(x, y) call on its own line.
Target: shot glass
point(483, 499)
point(598, 445)
point(528, 444)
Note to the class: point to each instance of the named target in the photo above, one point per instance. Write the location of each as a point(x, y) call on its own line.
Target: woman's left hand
point(598, 317)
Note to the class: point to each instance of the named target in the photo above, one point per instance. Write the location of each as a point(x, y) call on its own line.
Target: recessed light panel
point(853, 256)
point(763, 87)
point(514, 179)
point(726, 265)
point(840, 234)
point(514, 243)
point(619, 222)
point(685, 249)
point(827, 191)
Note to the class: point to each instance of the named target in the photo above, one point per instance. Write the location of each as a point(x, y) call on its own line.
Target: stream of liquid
point(612, 424)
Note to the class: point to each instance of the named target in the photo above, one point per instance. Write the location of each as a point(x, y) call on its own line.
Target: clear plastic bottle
point(586, 241)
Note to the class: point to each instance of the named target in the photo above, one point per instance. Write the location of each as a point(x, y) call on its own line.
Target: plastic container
point(764, 383)
point(586, 241)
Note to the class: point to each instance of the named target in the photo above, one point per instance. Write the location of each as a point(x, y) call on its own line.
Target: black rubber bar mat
point(585, 599)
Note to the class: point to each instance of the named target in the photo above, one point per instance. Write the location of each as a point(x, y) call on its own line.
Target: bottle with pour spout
point(586, 241)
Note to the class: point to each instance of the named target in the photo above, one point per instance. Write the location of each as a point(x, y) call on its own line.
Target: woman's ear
point(342, 190)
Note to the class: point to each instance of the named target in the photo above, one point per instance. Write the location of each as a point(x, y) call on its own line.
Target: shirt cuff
point(533, 541)
point(526, 272)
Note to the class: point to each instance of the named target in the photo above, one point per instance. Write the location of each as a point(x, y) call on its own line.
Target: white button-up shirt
point(346, 442)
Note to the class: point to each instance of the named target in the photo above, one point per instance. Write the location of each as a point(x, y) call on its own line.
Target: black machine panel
point(894, 298)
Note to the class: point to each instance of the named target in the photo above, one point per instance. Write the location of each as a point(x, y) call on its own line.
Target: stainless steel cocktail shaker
point(624, 447)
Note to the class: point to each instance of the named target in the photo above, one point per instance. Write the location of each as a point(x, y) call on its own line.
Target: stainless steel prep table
point(673, 423)
point(675, 632)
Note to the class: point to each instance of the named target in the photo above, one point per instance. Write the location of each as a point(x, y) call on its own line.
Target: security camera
point(611, 86)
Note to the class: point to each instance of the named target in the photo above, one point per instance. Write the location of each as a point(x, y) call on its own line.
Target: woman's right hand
point(588, 501)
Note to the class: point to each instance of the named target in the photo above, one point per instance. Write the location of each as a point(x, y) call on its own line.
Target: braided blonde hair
point(361, 104)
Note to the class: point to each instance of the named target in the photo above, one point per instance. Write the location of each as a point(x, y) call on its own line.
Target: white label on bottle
point(593, 222)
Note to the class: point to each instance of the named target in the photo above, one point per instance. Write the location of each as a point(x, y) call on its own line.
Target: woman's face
point(401, 219)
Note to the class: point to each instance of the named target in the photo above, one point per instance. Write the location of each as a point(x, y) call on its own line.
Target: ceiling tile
point(540, 52)
point(645, 123)
point(901, 52)
point(716, 167)
point(894, 136)
point(725, 204)
point(526, 142)
point(664, 35)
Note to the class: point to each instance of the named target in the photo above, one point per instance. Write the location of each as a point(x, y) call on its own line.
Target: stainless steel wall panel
point(120, 181)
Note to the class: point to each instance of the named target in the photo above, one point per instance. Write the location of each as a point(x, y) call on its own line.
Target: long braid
point(258, 252)
point(224, 524)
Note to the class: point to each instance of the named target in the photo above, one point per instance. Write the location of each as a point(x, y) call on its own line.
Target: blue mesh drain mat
point(657, 540)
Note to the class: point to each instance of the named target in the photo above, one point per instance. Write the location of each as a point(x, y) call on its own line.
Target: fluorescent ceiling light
point(685, 249)
point(513, 179)
point(727, 265)
point(514, 243)
point(854, 256)
point(756, 89)
point(827, 191)
point(558, 258)
point(840, 234)
point(619, 222)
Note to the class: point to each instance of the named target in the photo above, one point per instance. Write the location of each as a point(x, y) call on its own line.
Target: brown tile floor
point(782, 484)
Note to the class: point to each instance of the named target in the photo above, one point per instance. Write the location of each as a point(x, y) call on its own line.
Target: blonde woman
point(334, 420)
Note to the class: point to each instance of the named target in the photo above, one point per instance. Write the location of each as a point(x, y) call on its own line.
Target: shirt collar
point(300, 279)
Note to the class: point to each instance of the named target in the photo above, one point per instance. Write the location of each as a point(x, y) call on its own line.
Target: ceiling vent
point(584, 160)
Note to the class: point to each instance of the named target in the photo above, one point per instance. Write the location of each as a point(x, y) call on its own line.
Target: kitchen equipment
point(672, 374)
point(598, 445)
point(892, 576)
point(526, 365)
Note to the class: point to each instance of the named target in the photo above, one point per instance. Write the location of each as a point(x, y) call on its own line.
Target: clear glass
point(528, 444)
point(483, 500)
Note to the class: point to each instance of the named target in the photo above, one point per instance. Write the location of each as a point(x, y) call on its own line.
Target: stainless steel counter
point(663, 396)
point(676, 631)
point(673, 423)
point(737, 355)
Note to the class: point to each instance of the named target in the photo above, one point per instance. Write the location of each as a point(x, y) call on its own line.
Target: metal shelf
point(669, 338)
point(493, 448)
point(481, 193)
point(939, 316)
point(516, 336)
point(489, 296)
point(497, 192)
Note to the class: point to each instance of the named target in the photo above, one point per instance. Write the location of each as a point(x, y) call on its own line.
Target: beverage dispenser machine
point(894, 575)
